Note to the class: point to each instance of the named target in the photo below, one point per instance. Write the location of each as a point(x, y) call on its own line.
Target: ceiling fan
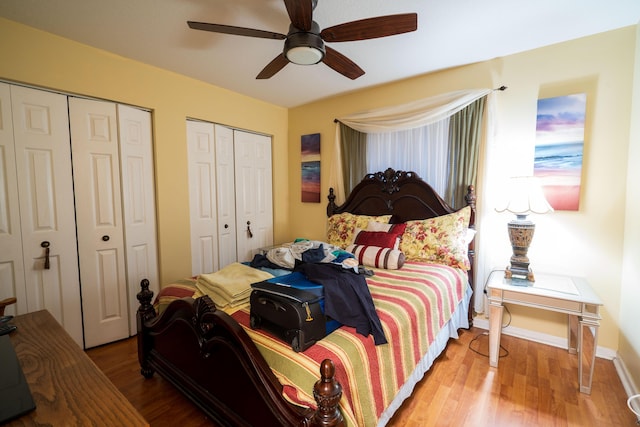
point(305, 42)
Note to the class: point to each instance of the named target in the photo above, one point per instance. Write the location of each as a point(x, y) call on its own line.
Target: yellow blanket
point(231, 285)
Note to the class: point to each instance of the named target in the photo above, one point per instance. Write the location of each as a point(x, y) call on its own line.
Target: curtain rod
point(501, 88)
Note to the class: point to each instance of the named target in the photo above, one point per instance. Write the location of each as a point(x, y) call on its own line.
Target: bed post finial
point(470, 199)
point(327, 393)
point(331, 207)
point(146, 310)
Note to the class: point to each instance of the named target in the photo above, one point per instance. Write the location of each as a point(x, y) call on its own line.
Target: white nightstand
point(570, 295)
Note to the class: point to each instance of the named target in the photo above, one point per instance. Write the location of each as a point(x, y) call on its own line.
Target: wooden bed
point(211, 358)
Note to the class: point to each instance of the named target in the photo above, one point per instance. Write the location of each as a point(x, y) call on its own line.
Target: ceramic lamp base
point(520, 235)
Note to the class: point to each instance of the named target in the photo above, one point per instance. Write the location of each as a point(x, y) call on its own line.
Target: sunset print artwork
point(311, 168)
point(558, 151)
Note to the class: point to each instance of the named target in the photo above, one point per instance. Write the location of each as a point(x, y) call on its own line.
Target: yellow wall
point(587, 243)
point(40, 59)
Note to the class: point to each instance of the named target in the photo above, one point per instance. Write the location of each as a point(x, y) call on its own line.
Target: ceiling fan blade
point(371, 28)
point(273, 67)
point(300, 12)
point(237, 31)
point(341, 64)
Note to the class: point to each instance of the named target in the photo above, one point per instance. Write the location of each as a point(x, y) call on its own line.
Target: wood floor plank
point(534, 385)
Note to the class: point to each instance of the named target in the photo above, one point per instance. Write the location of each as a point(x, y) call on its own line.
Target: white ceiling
point(450, 33)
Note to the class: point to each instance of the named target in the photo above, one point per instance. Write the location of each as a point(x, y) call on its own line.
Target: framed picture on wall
point(310, 150)
point(559, 147)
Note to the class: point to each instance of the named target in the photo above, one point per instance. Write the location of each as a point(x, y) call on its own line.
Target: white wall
point(629, 348)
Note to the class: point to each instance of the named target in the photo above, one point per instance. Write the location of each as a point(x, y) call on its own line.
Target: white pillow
point(469, 236)
point(378, 226)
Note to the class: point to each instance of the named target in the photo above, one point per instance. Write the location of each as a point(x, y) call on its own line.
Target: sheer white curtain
point(422, 150)
point(420, 114)
point(396, 118)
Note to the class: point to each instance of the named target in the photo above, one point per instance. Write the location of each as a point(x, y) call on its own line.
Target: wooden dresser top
point(67, 387)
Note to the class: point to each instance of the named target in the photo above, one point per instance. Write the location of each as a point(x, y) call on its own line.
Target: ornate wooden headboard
point(402, 194)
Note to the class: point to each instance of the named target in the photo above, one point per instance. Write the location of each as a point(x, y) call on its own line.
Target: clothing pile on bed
point(347, 297)
point(291, 256)
point(303, 250)
point(231, 285)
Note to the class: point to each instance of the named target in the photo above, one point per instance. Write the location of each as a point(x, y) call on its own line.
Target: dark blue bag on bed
point(292, 307)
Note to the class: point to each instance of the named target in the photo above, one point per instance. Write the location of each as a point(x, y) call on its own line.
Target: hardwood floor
point(535, 385)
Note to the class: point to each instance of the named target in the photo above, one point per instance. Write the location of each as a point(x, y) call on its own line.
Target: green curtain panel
point(354, 156)
point(465, 134)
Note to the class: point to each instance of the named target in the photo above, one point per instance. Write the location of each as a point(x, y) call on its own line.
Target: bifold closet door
point(202, 197)
point(230, 195)
point(96, 170)
point(226, 191)
point(138, 203)
point(254, 193)
point(12, 283)
point(46, 207)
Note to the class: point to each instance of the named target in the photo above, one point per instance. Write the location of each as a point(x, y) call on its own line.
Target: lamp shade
point(524, 196)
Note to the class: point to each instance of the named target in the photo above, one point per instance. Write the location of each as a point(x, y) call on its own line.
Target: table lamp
point(524, 196)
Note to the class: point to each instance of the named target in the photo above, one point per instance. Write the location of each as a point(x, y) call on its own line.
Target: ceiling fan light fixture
point(305, 55)
point(304, 48)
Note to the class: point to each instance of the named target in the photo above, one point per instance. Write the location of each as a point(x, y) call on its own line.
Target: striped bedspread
point(413, 304)
point(178, 289)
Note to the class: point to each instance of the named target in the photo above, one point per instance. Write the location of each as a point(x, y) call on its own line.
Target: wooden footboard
point(210, 358)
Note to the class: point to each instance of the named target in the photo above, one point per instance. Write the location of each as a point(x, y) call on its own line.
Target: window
point(423, 150)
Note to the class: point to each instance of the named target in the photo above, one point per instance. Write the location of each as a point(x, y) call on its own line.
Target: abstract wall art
point(310, 148)
point(559, 148)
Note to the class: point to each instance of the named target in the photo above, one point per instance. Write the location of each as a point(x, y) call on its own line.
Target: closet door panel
point(94, 141)
point(139, 206)
point(226, 196)
point(12, 282)
point(43, 165)
point(254, 201)
point(202, 197)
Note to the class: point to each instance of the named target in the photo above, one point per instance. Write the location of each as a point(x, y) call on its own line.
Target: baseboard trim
point(552, 340)
point(625, 377)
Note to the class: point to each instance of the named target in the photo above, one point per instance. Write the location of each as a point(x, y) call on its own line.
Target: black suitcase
point(292, 308)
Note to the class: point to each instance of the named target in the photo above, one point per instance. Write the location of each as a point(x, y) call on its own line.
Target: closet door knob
point(226, 226)
point(105, 238)
point(46, 245)
point(249, 229)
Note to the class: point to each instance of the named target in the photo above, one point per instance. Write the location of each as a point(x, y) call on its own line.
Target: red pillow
point(381, 239)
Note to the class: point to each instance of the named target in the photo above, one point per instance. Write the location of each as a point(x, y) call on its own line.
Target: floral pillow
point(440, 240)
point(343, 226)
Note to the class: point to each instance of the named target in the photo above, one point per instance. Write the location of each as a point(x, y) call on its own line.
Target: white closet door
point(202, 197)
point(226, 196)
point(43, 164)
point(139, 206)
point(254, 201)
point(12, 282)
point(96, 168)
